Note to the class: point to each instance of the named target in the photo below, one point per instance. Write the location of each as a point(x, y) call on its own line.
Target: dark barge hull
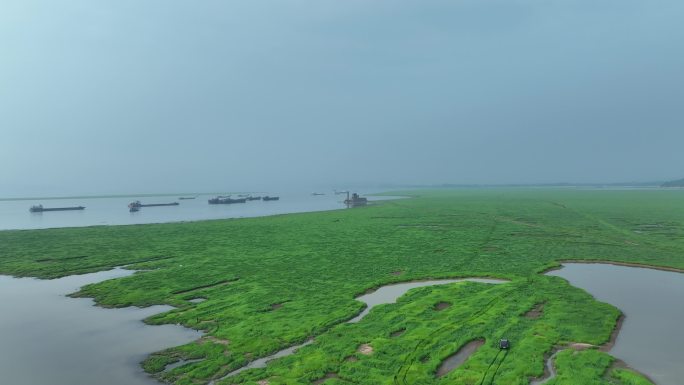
point(159, 204)
point(40, 210)
point(226, 201)
point(138, 204)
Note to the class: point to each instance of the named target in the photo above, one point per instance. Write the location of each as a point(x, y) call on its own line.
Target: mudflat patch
point(535, 312)
point(325, 378)
point(365, 349)
point(215, 340)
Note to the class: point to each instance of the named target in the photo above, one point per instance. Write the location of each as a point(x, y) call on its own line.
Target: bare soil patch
point(535, 312)
point(365, 349)
point(215, 340)
point(579, 346)
point(326, 378)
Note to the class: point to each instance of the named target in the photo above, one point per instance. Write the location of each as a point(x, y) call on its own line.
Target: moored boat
point(268, 198)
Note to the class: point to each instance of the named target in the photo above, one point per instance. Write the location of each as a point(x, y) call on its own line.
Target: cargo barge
point(226, 200)
point(40, 208)
point(137, 204)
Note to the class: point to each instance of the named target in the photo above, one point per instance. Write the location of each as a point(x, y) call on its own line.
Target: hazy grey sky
point(167, 95)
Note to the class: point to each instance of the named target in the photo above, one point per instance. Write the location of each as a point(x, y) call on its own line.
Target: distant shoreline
point(634, 185)
point(125, 196)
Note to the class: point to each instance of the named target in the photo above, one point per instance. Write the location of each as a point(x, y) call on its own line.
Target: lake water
point(14, 214)
point(651, 339)
point(48, 338)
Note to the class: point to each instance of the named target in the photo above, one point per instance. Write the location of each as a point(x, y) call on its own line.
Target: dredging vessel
point(355, 200)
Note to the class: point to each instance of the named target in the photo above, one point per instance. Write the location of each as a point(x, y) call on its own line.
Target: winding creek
point(651, 338)
point(48, 338)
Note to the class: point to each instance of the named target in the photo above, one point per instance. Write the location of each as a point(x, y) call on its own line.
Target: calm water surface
point(651, 339)
point(14, 214)
point(48, 338)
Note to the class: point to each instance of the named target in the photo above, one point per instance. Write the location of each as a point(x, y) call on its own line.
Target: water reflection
point(48, 338)
point(651, 337)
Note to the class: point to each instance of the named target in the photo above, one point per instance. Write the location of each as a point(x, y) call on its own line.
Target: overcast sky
point(164, 95)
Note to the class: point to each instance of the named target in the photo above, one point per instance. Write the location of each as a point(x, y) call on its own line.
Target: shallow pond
point(455, 360)
point(48, 338)
point(651, 339)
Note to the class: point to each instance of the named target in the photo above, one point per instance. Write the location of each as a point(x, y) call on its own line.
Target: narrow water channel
point(48, 338)
point(651, 339)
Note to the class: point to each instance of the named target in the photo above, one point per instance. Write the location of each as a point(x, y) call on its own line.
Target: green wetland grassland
point(274, 282)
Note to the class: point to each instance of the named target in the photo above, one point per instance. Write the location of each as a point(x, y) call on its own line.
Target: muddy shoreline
point(614, 334)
